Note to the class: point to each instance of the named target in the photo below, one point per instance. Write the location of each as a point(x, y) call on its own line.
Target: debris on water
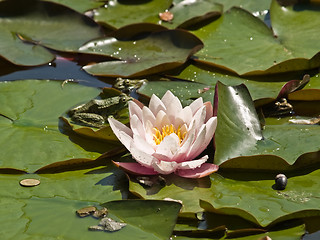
point(310, 121)
point(108, 224)
point(29, 182)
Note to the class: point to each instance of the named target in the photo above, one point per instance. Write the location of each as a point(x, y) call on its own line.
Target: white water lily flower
point(165, 138)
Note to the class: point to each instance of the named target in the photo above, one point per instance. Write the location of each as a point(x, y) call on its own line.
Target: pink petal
point(164, 167)
point(205, 170)
point(134, 109)
point(140, 104)
point(209, 110)
point(135, 168)
point(169, 146)
point(196, 104)
point(193, 163)
point(156, 105)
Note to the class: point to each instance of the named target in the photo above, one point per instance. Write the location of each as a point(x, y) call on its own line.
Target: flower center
point(166, 130)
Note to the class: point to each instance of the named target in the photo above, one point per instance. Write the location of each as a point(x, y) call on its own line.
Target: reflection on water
point(59, 69)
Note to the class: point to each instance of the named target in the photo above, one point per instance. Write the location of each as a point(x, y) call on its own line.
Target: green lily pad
point(238, 40)
point(28, 27)
point(258, 8)
point(294, 233)
point(85, 185)
point(259, 88)
point(80, 6)
point(254, 200)
point(142, 216)
point(120, 13)
point(30, 136)
point(25, 211)
point(187, 13)
point(186, 91)
point(177, 189)
point(273, 148)
point(158, 52)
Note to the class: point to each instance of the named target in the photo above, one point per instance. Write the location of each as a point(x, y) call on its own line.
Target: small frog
point(279, 108)
point(127, 85)
point(96, 112)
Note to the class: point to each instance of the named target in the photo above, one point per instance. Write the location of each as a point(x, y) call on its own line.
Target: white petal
point(167, 98)
point(134, 109)
point(173, 105)
point(169, 146)
point(199, 117)
point(148, 126)
point(196, 104)
point(147, 115)
point(211, 126)
point(141, 144)
point(137, 127)
point(164, 167)
point(183, 117)
point(142, 157)
point(161, 120)
point(182, 153)
point(117, 126)
point(198, 145)
point(193, 164)
point(156, 105)
point(123, 133)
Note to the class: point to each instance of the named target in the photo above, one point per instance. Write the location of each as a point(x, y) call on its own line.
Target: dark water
point(59, 69)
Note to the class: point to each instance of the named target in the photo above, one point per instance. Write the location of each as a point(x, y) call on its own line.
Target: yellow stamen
point(166, 130)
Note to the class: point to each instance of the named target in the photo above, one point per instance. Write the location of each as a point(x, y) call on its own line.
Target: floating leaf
point(30, 136)
point(237, 41)
point(187, 13)
point(186, 91)
point(158, 52)
point(120, 13)
point(248, 197)
point(274, 148)
point(27, 29)
point(80, 6)
point(141, 217)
